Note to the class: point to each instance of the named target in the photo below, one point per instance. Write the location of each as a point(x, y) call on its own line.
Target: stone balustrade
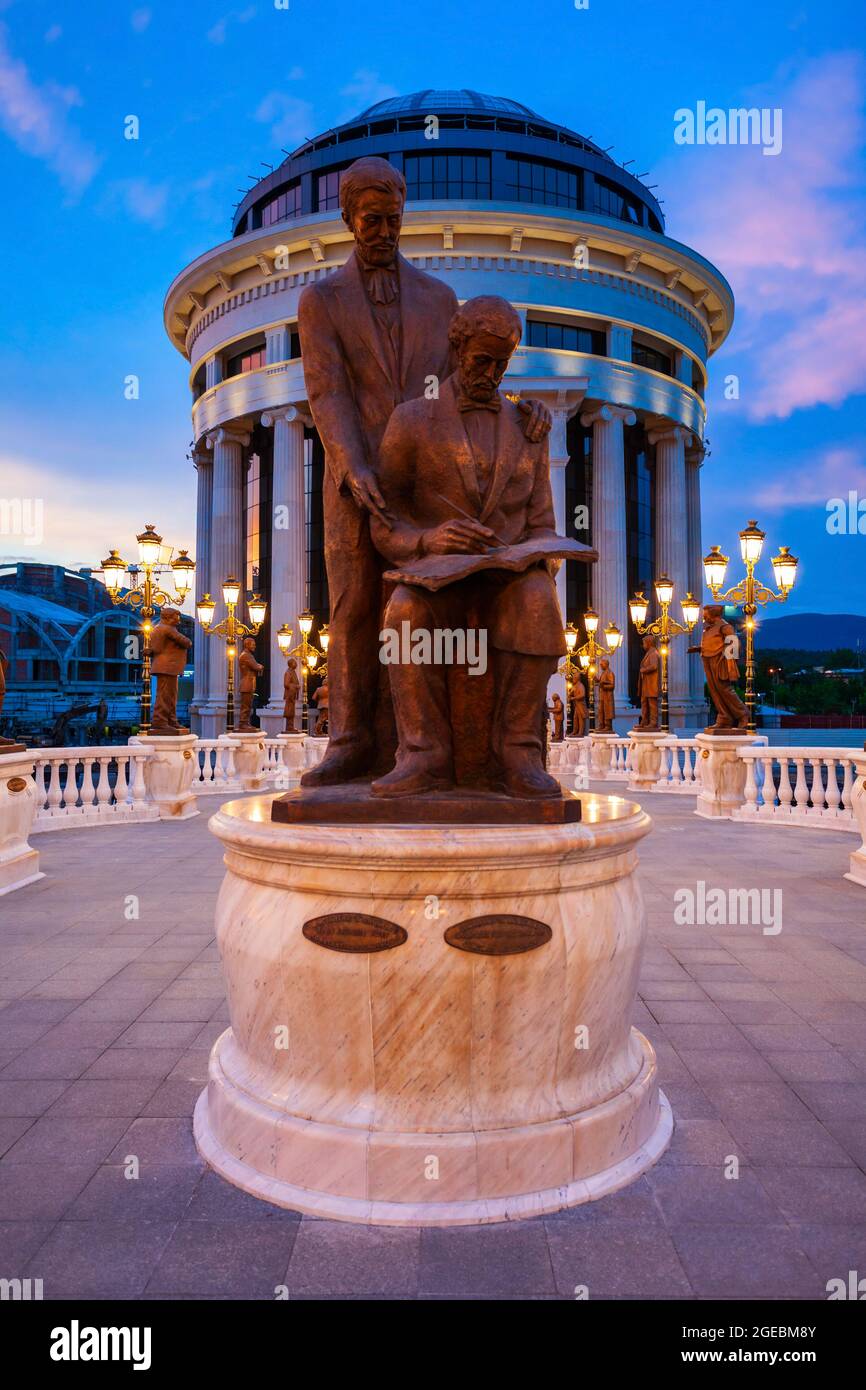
point(799, 786)
point(90, 786)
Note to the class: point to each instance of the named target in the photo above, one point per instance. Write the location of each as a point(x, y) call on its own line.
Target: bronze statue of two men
point(430, 470)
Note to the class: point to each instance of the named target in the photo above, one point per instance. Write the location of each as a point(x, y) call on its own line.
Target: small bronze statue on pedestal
point(169, 648)
point(321, 702)
point(606, 706)
point(648, 686)
point(557, 710)
point(721, 672)
point(291, 690)
point(249, 668)
point(579, 712)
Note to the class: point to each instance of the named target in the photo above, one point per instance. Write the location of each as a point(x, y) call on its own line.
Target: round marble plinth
point(392, 1058)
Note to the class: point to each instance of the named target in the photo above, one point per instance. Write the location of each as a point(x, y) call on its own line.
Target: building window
point(447, 176)
point(568, 336)
point(610, 201)
point(245, 362)
point(533, 181)
point(578, 494)
point(328, 190)
point(286, 204)
point(697, 379)
point(640, 532)
point(643, 356)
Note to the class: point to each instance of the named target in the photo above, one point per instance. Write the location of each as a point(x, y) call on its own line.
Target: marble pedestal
point(169, 772)
point(383, 1065)
point(723, 774)
point(293, 762)
point(599, 755)
point(857, 869)
point(19, 864)
point(646, 758)
point(251, 764)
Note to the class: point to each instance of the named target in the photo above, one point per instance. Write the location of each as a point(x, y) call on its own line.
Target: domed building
point(619, 323)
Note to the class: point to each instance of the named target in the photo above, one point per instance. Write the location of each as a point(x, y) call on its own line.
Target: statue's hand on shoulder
point(537, 421)
point(458, 538)
point(365, 490)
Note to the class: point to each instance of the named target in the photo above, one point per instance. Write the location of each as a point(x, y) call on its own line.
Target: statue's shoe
point(414, 778)
point(528, 780)
point(339, 765)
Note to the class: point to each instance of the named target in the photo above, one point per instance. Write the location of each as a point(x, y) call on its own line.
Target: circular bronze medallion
point(17, 784)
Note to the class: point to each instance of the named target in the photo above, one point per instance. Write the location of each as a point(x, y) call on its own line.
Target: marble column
point(610, 573)
point(288, 596)
point(203, 463)
point(226, 555)
point(694, 460)
point(672, 552)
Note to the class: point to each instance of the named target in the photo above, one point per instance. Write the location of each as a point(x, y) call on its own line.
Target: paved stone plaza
point(105, 1026)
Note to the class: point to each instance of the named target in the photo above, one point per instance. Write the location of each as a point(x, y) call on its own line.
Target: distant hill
point(812, 632)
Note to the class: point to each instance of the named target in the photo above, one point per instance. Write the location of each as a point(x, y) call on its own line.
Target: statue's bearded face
point(375, 221)
point(483, 358)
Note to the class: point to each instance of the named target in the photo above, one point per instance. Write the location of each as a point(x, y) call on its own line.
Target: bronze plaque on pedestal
point(501, 934)
point(354, 932)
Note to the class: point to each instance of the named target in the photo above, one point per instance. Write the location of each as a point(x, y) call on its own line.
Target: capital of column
point(607, 411)
point(696, 452)
point(289, 413)
point(227, 435)
point(670, 434)
point(201, 454)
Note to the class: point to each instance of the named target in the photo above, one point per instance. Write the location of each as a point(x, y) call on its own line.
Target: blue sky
point(96, 226)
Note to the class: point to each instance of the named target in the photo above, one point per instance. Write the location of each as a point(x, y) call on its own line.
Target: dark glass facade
point(246, 361)
point(612, 201)
point(567, 336)
point(317, 580)
point(284, 205)
point(644, 356)
point(462, 176)
point(258, 512)
point(535, 181)
point(640, 531)
point(578, 493)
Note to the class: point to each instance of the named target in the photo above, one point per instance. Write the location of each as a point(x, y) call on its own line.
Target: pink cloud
point(815, 481)
point(789, 232)
point(36, 118)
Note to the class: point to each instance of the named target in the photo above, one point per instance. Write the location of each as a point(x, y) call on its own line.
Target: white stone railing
point(91, 786)
point(215, 760)
point(799, 786)
point(680, 768)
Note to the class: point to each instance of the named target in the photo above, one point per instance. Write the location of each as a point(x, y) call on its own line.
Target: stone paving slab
point(110, 995)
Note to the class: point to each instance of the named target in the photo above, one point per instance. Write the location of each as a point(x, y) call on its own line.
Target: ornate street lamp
point(146, 596)
point(750, 593)
point(589, 653)
point(231, 630)
point(664, 627)
point(307, 654)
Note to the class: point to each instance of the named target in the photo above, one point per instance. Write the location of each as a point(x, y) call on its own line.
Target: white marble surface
point(251, 763)
point(723, 774)
point(424, 1083)
point(646, 758)
point(169, 772)
point(857, 869)
point(19, 864)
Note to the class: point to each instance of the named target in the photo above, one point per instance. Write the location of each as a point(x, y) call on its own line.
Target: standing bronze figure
point(606, 707)
point(579, 713)
point(721, 671)
point(249, 669)
point(648, 685)
point(169, 650)
point(291, 690)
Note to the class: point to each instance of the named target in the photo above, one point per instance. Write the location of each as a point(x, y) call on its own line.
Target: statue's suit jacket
point(428, 475)
point(170, 649)
point(352, 393)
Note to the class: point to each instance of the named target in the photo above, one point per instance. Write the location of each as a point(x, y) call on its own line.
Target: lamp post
point(590, 653)
point(146, 596)
point(750, 592)
point(307, 654)
point(664, 627)
point(231, 629)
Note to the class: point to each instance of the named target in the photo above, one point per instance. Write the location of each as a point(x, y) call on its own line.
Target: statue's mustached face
point(376, 221)
point(483, 358)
